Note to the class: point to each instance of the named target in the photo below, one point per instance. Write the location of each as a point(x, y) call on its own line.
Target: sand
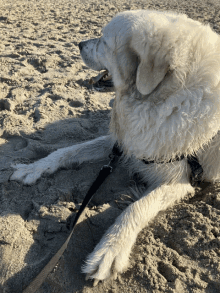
point(46, 103)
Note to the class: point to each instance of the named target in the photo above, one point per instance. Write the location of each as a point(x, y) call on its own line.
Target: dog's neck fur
point(166, 123)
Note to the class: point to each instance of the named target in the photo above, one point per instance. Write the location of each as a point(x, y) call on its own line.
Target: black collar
point(163, 162)
point(192, 160)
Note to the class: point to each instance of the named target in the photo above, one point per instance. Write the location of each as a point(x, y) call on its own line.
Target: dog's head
point(133, 48)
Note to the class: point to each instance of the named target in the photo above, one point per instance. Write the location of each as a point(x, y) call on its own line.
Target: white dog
point(166, 72)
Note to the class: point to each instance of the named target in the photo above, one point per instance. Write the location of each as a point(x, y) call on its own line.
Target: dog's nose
point(80, 45)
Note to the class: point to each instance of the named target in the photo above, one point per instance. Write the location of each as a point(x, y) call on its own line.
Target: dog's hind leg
point(111, 255)
point(96, 149)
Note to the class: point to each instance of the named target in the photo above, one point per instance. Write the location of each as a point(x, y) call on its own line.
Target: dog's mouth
point(102, 76)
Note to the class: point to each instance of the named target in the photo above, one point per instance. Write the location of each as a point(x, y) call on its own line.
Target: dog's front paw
point(107, 260)
point(28, 174)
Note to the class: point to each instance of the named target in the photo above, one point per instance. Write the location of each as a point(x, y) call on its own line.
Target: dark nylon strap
point(196, 168)
point(163, 162)
point(103, 174)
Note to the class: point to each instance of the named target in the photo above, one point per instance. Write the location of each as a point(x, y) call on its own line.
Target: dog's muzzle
point(81, 45)
point(92, 53)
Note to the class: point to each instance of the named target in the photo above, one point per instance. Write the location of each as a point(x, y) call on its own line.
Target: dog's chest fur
point(180, 124)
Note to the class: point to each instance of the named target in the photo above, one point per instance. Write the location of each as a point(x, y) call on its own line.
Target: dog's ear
point(151, 71)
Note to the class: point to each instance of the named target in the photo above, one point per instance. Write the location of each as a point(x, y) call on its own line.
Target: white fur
point(166, 72)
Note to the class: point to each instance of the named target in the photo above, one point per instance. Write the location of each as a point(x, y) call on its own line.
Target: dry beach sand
point(46, 103)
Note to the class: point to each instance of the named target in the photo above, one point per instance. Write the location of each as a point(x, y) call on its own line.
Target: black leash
point(103, 174)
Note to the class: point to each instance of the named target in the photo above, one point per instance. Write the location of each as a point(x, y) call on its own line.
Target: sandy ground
point(46, 103)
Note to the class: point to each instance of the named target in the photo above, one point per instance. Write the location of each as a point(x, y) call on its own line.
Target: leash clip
point(107, 167)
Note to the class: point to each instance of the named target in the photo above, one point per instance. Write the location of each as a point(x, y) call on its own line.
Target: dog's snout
point(92, 53)
point(80, 45)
